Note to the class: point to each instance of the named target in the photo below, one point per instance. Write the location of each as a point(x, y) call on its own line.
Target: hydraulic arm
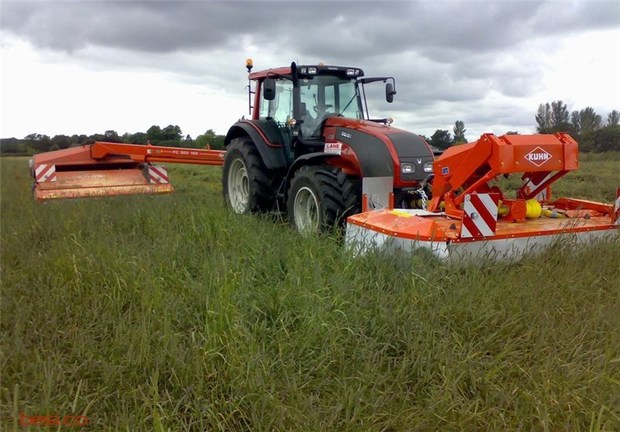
point(470, 168)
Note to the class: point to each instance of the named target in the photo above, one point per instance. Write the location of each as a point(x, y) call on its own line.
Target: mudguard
point(266, 137)
point(315, 158)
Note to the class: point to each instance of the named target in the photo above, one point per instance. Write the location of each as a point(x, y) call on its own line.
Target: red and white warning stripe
point(617, 208)
point(158, 174)
point(479, 215)
point(45, 173)
point(543, 195)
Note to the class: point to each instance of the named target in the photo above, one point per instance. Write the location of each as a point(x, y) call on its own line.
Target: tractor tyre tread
point(261, 197)
point(339, 194)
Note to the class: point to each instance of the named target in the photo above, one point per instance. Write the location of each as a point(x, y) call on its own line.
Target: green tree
point(154, 134)
point(607, 139)
point(135, 138)
point(559, 114)
point(553, 118)
point(218, 144)
point(77, 140)
point(459, 132)
point(61, 142)
point(210, 140)
point(613, 118)
point(112, 136)
point(172, 134)
point(441, 139)
point(543, 118)
point(585, 121)
point(38, 142)
point(12, 146)
point(97, 137)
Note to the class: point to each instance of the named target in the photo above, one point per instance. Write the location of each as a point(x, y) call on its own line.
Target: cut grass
point(170, 313)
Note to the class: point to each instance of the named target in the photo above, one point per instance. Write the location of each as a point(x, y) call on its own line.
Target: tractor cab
point(298, 101)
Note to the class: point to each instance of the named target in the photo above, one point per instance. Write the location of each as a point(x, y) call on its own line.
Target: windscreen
point(331, 94)
point(323, 96)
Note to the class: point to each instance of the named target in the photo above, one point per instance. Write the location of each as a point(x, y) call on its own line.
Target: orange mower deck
point(469, 217)
point(104, 169)
point(408, 230)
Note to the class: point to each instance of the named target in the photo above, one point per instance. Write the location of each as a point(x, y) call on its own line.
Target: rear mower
point(103, 169)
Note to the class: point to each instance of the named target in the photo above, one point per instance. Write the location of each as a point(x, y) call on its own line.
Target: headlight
point(407, 168)
point(428, 167)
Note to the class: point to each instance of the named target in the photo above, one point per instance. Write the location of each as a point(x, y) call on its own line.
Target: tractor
point(311, 151)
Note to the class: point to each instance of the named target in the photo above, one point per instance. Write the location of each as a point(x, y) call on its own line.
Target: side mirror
point(269, 89)
point(389, 92)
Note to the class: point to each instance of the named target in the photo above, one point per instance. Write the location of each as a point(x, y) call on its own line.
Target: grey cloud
point(443, 53)
point(341, 29)
point(134, 26)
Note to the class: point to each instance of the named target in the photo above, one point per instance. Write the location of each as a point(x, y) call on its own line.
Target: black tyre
point(320, 199)
point(246, 182)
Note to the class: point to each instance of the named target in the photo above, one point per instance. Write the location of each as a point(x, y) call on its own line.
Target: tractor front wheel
point(246, 183)
point(320, 199)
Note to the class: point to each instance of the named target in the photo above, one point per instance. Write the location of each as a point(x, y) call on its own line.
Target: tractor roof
point(309, 70)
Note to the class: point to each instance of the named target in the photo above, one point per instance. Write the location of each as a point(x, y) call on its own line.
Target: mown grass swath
point(170, 313)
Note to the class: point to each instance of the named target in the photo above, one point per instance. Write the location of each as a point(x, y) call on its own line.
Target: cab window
point(280, 109)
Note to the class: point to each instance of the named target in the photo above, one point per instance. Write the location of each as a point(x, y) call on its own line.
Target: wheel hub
point(238, 187)
point(306, 207)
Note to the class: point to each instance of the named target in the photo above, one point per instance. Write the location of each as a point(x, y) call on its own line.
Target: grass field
point(170, 313)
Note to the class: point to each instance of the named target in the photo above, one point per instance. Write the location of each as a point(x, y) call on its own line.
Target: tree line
point(586, 126)
point(169, 136)
point(442, 139)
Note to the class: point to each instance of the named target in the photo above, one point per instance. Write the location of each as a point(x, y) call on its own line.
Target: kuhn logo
point(538, 156)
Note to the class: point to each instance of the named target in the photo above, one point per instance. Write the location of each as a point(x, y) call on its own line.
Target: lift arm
point(150, 153)
point(469, 168)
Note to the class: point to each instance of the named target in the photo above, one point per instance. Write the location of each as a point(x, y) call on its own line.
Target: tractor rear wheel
point(320, 199)
point(246, 182)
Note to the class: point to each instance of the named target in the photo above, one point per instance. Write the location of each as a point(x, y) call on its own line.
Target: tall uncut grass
point(170, 313)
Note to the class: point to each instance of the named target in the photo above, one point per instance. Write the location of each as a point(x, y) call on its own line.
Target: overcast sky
point(85, 67)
